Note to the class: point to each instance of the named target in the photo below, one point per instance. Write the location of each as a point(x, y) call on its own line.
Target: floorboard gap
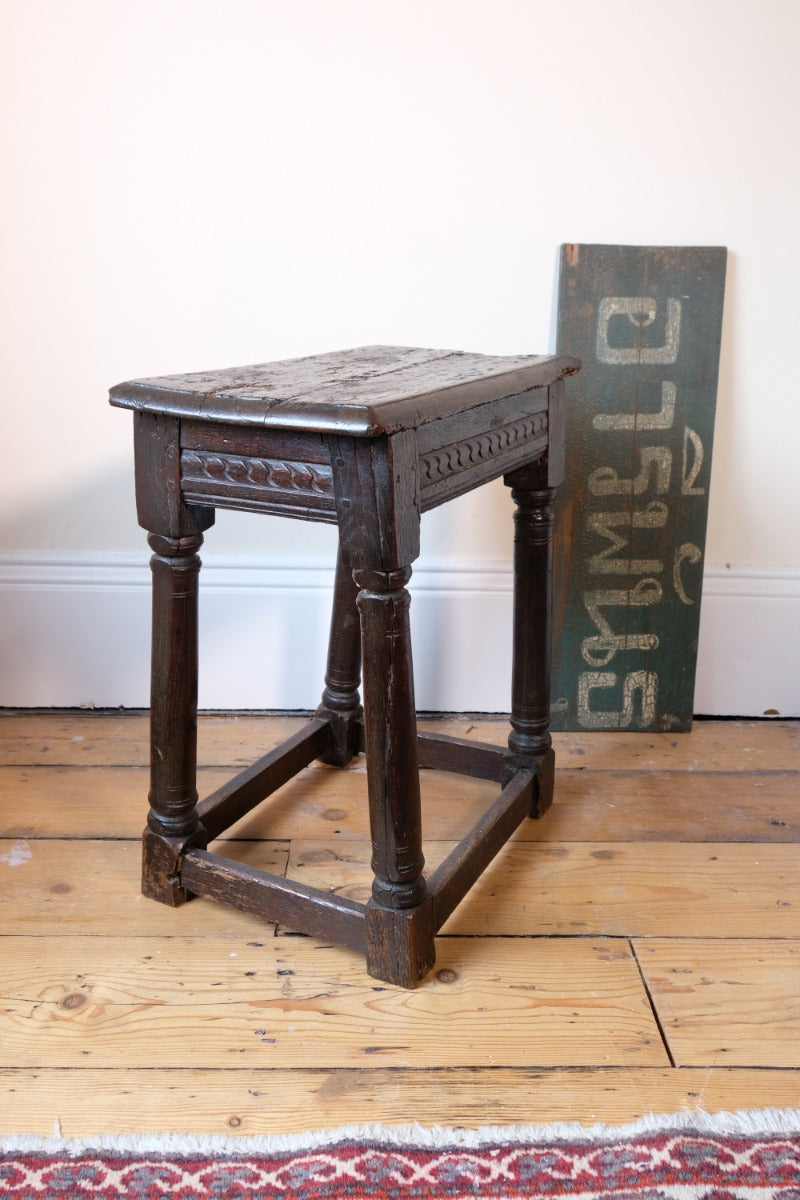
point(653, 1009)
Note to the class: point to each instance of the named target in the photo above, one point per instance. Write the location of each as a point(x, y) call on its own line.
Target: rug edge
point(747, 1122)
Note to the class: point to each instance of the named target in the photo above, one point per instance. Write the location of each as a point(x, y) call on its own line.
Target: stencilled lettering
point(663, 419)
point(641, 313)
point(688, 552)
point(654, 516)
point(599, 650)
point(643, 684)
point(634, 564)
point(604, 481)
point(690, 473)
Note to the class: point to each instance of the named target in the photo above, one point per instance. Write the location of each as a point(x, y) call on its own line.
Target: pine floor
point(637, 950)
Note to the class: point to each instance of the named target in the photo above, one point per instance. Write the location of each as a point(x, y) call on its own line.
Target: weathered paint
point(631, 528)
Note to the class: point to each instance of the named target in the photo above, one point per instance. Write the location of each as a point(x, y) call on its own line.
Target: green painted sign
point(630, 542)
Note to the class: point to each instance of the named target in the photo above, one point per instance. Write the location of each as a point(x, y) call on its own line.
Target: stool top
point(367, 392)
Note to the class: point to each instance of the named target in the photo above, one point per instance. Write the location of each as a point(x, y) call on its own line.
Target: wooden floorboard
point(101, 739)
point(596, 889)
point(249, 1100)
point(607, 806)
point(80, 886)
point(293, 1002)
point(727, 1001)
point(636, 950)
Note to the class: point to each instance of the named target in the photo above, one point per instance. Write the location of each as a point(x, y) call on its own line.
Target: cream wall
point(200, 183)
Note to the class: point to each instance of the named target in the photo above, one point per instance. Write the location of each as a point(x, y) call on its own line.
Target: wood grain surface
point(635, 950)
point(365, 391)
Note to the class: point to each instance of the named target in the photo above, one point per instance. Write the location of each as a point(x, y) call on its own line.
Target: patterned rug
point(744, 1156)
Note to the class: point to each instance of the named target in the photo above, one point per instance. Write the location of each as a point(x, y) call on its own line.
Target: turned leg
point(378, 509)
point(172, 824)
point(341, 703)
point(529, 742)
point(400, 945)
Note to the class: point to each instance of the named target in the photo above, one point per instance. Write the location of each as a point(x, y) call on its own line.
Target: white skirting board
point(75, 631)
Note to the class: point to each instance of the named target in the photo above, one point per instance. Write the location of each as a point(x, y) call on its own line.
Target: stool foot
point(345, 736)
point(543, 767)
point(161, 867)
point(400, 943)
point(543, 784)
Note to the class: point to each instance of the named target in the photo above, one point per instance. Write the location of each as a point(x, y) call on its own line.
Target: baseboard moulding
point(75, 631)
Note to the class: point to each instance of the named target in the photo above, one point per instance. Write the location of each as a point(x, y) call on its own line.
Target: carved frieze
point(266, 483)
point(205, 466)
point(480, 457)
point(460, 456)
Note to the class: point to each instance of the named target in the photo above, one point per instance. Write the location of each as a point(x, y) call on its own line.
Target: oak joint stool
point(368, 439)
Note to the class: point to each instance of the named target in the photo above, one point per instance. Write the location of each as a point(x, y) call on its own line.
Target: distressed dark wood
point(453, 878)
point(487, 454)
point(646, 322)
point(530, 687)
point(176, 534)
point(377, 500)
point(533, 489)
point(275, 899)
point(529, 741)
point(341, 703)
point(218, 438)
point(400, 946)
point(371, 392)
point(391, 739)
point(370, 439)
point(159, 500)
point(235, 799)
point(258, 484)
point(441, 752)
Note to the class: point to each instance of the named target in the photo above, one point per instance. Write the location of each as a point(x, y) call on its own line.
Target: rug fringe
point(752, 1122)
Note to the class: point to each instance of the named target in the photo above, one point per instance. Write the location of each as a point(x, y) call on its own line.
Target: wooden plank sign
point(646, 324)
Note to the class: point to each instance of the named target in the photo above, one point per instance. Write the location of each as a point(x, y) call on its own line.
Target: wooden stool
point(369, 439)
